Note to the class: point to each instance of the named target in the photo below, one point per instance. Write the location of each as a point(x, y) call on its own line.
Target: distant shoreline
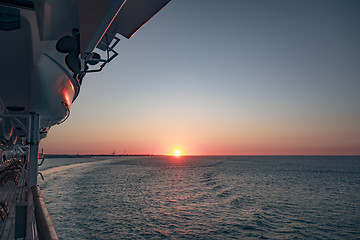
point(96, 155)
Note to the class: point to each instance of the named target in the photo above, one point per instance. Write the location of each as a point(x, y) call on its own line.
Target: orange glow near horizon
point(77, 136)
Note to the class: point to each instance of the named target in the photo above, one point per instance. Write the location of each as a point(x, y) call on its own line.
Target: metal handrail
point(45, 227)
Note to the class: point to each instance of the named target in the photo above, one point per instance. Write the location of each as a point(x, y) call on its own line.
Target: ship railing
point(45, 227)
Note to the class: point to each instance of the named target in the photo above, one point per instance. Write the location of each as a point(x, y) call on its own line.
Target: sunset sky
point(227, 78)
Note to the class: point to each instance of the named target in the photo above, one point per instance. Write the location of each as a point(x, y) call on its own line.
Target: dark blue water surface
point(217, 197)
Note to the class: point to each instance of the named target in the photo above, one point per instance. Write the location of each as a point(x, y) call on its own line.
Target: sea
point(203, 197)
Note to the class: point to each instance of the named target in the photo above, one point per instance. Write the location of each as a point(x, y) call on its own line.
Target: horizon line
point(152, 154)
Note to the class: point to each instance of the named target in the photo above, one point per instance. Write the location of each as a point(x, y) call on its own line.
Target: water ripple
point(206, 198)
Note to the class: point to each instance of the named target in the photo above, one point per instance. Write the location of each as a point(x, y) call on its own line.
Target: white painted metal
point(95, 18)
point(33, 140)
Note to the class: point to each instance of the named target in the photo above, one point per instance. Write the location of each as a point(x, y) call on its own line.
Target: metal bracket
point(94, 58)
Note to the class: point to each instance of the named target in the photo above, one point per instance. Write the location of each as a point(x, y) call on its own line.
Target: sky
point(252, 77)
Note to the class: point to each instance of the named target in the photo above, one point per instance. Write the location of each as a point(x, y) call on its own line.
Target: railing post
point(33, 139)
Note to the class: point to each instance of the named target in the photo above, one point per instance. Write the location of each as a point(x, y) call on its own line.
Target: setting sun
point(177, 152)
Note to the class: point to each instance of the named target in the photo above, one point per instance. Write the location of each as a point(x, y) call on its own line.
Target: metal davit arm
point(45, 227)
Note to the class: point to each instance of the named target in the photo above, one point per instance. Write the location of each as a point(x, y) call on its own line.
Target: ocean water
point(199, 197)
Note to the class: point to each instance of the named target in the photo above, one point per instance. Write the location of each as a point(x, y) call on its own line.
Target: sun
point(177, 153)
